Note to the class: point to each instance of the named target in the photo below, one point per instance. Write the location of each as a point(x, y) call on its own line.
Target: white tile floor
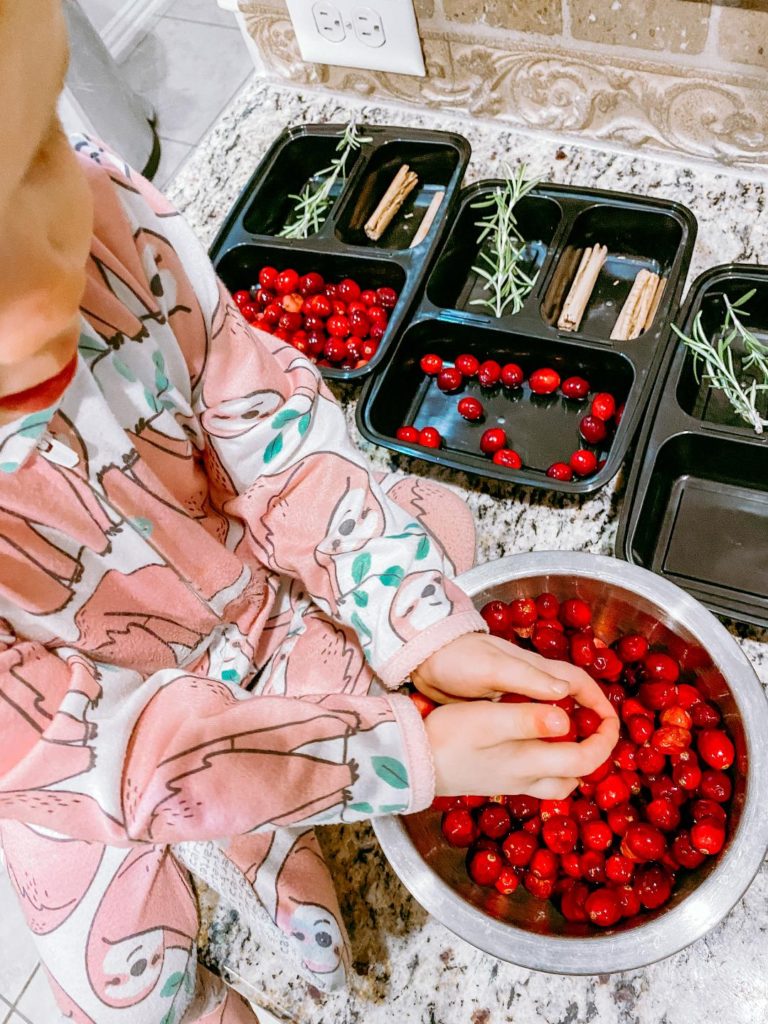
point(189, 66)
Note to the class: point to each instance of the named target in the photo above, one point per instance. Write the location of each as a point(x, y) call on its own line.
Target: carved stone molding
point(688, 111)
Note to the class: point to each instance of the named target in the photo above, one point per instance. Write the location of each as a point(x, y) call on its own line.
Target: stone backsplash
point(682, 76)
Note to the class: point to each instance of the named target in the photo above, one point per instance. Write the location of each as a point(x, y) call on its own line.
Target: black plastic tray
point(248, 238)
point(639, 232)
point(696, 509)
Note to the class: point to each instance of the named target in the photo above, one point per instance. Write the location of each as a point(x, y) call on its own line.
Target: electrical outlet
point(381, 35)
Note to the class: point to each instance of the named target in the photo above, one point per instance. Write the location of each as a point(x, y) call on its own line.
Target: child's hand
point(487, 748)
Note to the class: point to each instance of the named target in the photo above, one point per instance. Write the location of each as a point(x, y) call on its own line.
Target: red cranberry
point(489, 373)
point(583, 650)
point(629, 901)
point(359, 326)
point(369, 349)
point(602, 907)
point(608, 666)
point(473, 801)
point(518, 848)
point(576, 614)
point(368, 297)
point(584, 810)
point(523, 612)
point(601, 771)
point(620, 818)
point(485, 867)
point(660, 667)
point(688, 776)
point(512, 375)
point(643, 842)
point(470, 408)
point(619, 869)
point(688, 696)
point(654, 886)
point(716, 786)
point(670, 739)
point(611, 792)
point(507, 457)
point(290, 322)
point(494, 821)
point(663, 814)
point(716, 749)
point(573, 904)
point(632, 648)
point(575, 388)
point(596, 835)
point(310, 284)
point(560, 834)
point(523, 807)
point(624, 755)
point(449, 379)
point(549, 642)
point(319, 305)
point(708, 836)
point(587, 723)
point(658, 695)
point(701, 809)
point(684, 852)
point(335, 350)
point(705, 716)
point(338, 326)
point(543, 864)
point(467, 365)
point(541, 888)
point(593, 430)
point(387, 297)
point(547, 606)
point(272, 314)
point(570, 864)
point(429, 437)
point(507, 881)
point(676, 716)
point(498, 617)
point(459, 828)
point(632, 707)
point(544, 381)
point(664, 787)
point(241, 298)
point(603, 406)
point(555, 809)
point(331, 291)
point(423, 705)
point(268, 278)
point(493, 440)
point(378, 316)
point(286, 282)
point(640, 729)
point(583, 462)
point(593, 866)
point(560, 471)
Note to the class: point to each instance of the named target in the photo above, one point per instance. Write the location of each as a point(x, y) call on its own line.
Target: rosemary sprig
point(499, 263)
point(313, 203)
point(716, 357)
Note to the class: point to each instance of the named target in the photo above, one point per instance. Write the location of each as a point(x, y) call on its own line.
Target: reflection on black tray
point(697, 502)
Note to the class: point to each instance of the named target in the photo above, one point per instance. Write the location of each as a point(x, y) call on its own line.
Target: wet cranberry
point(268, 277)
point(459, 828)
point(512, 375)
point(629, 901)
point(603, 406)
point(601, 771)
point(658, 695)
point(632, 706)
point(603, 908)
point(284, 283)
point(449, 379)
point(470, 408)
point(320, 305)
point(575, 388)
point(467, 365)
point(611, 792)
point(619, 869)
point(473, 801)
point(317, 341)
point(676, 716)
point(660, 667)
point(507, 457)
point(544, 381)
point(716, 749)
point(560, 471)
point(593, 430)
point(290, 321)
point(518, 848)
point(708, 836)
point(429, 437)
point(701, 809)
point(547, 606)
point(593, 866)
point(541, 888)
point(583, 462)
point(523, 612)
point(555, 809)
point(241, 298)
point(331, 291)
point(596, 835)
point(575, 614)
point(560, 834)
point(493, 440)
point(643, 842)
point(688, 776)
point(410, 434)
point(640, 729)
point(377, 332)
point(250, 312)
point(523, 807)
point(663, 814)
point(489, 373)
point(311, 283)
point(684, 852)
point(587, 723)
point(387, 297)
point(573, 903)
point(620, 818)
point(368, 297)
point(632, 648)
point(705, 716)
point(550, 642)
point(494, 821)
point(485, 867)
point(369, 349)
point(607, 665)
point(359, 326)
point(378, 316)
point(507, 881)
point(664, 787)
point(335, 350)
point(338, 326)
point(654, 886)
point(543, 864)
point(716, 786)
point(670, 739)
point(570, 864)
point(583, 810)
point(498, 617)
point(583, 650)
point(272, 313)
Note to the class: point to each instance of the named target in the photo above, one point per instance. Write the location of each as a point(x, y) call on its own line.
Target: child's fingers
point(510, 674)
point(562, 760)
point(495, 724)
point(552, 789)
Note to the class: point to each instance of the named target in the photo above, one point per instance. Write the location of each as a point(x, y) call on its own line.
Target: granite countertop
point(408, 967)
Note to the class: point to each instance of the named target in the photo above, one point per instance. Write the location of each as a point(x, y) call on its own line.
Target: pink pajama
point(205, 601)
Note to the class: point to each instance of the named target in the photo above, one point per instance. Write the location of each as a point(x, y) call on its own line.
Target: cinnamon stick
point(634, 313)
point(656, 302)
point(428, 219)
point(403, 183)
point(563, 275)
point(583, 285)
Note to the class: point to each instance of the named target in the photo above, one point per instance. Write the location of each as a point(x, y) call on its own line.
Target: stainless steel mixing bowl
point(532, 933)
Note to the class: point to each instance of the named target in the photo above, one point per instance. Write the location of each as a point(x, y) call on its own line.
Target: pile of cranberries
point(338, 324)
point(656, 808)
point(594, 427)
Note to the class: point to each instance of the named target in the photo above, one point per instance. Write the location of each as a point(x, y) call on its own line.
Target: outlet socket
point(381, 35)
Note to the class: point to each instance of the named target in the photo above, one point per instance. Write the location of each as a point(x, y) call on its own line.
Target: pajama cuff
point(399, 667)
point(421, 769)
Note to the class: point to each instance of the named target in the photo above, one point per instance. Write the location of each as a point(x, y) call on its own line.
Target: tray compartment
point(703, 520)
point(298, 162)
point(436, 165)
point(453, 284)
point(694, 395)
point(637, 239)
point(542, 429)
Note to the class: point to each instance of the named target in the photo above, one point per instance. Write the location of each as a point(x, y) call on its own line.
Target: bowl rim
point(703, 908)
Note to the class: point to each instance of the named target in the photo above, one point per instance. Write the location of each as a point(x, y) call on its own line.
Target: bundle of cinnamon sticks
point(401, 186)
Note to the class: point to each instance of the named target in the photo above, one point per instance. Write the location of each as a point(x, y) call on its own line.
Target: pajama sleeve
point(97, 752)
point(280, 459)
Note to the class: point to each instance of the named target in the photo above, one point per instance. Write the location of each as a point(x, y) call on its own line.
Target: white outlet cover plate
point(381, 35)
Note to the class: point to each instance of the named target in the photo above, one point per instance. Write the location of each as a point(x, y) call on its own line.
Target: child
point(200, 583)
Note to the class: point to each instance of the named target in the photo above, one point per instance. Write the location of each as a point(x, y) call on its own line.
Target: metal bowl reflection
point(532, 933)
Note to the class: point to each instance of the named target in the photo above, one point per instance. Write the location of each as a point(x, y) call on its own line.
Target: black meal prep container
point(696, 508)
point(248, 238)
point(639, 232)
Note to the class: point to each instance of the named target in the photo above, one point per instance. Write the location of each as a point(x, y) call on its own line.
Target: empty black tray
point(639, 232)
point(248, 238)
point(697, 500)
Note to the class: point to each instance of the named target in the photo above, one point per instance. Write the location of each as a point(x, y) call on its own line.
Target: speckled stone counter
point(408, 967)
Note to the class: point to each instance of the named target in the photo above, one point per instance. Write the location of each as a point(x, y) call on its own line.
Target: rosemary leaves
point(716, 357)
point(314, 202)
point(503, 248)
